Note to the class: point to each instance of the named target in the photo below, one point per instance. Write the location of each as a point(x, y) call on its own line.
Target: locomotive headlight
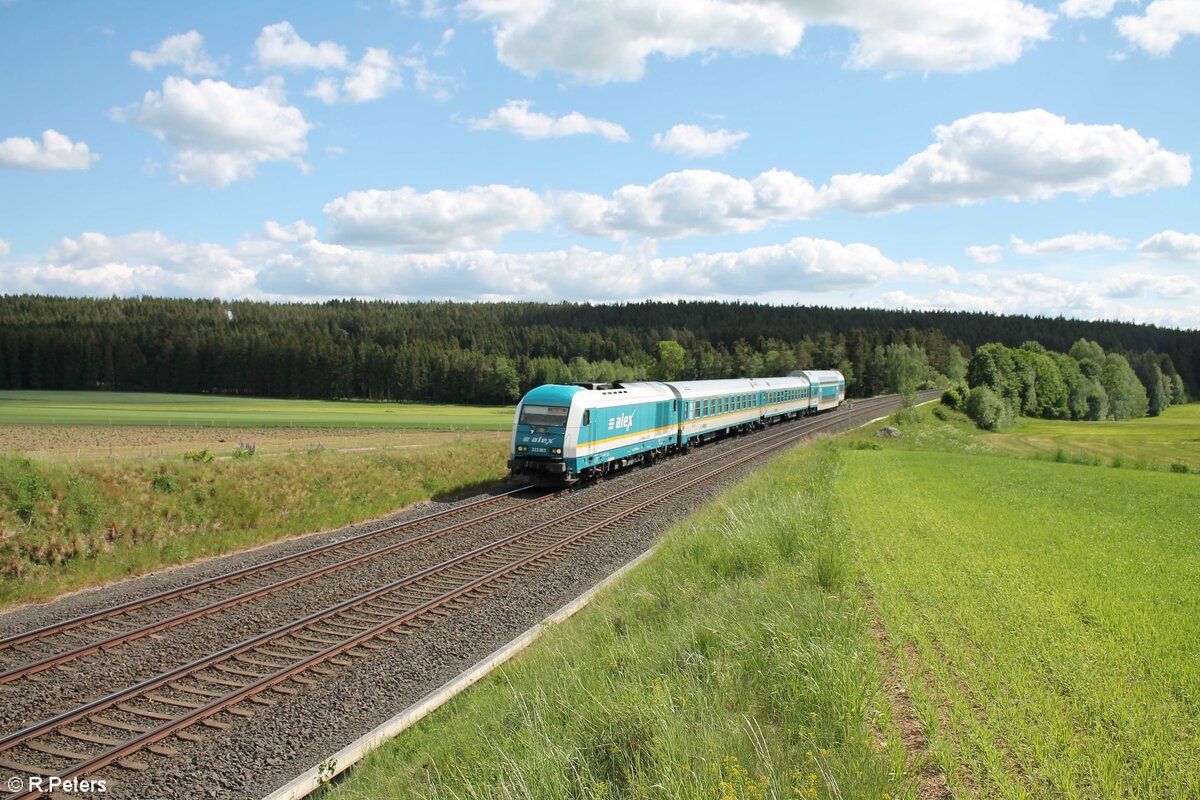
point(521, 448)
point(557, 451)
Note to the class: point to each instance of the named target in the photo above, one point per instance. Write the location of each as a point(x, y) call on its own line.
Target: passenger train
point(563, 434)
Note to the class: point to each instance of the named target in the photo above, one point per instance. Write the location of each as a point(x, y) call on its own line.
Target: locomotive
point(566, 433)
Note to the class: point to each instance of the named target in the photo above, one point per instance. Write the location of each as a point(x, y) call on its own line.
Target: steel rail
point(136, 603)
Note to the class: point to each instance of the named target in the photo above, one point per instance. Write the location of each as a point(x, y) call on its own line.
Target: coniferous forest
point(491, 352)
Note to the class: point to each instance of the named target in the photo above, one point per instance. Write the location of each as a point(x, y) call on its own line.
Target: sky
point(998, 155)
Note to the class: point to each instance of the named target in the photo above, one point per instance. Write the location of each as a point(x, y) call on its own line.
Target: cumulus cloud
point(1019, 156)
point(515, 116)
point(1162, 26)
point(280, 47)
point(602, 42)
point(298, 231)
point(184, 50)
point(1124, 295)
point(369, 78)
point(475, 217)
point(1022, 155)
point(1071, 243)
point(985, 254)
point(1093, 9)
point(691, 202)
point(55, 151)
point(5, 248)
point(692, 141)
point(223, 132)
point(1172, 246)
point(137, 263)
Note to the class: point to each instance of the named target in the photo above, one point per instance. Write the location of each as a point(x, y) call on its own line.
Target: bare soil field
point(91, 442)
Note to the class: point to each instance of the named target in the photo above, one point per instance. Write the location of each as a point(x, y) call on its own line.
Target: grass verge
point(736, 663)
point(63, 527)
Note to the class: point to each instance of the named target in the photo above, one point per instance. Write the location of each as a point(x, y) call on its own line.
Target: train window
point(587, 416)
point(555, 416)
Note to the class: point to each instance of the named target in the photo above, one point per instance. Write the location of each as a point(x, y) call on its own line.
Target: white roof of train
point(689, 389)
point(822, 376)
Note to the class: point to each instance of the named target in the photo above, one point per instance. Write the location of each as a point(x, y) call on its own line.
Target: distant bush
point(986, 408)
point(1179, 466)
point(956, 396)
point(199, 456)
point(165, 482)
point(244, 450)
point(859, 444)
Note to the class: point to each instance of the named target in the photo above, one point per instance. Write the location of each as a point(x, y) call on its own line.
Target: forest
point(493, 352)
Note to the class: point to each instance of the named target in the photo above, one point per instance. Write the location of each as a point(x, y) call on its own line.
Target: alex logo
point(538, 439)
point(621, 422)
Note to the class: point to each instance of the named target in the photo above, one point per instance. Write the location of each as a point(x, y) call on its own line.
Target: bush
point(165, 482)
point(986, 408)
point(956, 396)
point(199, 456)
point(1179, 466)
point(244, 450)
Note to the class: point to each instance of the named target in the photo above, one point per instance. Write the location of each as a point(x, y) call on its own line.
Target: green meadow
point(134, 408)
point(1037, 617)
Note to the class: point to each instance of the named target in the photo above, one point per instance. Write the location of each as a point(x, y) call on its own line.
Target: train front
point(543, 448)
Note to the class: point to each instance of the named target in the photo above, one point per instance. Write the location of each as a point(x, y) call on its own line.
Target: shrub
point(1179, 466)
point(956, 396)
point(244, 450)
point(199, 456)
point(165, 482)
point(986, 408)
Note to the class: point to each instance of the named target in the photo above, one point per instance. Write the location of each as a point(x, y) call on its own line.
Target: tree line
point(1086, 383)
point(493, 352)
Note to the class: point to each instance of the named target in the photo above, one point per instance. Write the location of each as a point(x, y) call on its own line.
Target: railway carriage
point(564, 433)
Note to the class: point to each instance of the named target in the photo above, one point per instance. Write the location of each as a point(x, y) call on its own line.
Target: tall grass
point(67, 526)
point(734, 664)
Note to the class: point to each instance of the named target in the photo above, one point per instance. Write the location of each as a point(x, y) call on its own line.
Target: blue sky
point(1018, 157)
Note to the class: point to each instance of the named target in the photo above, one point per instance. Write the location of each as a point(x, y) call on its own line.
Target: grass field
point(1173, 436)
point(133, 408)
point(1038, 618)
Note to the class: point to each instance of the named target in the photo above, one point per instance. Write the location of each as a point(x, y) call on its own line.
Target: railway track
point(119, 624)
point(272, 666)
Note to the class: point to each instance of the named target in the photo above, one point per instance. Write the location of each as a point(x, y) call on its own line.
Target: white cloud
point(692, 141)
point(298, 231)
point(475, 217)
point(801, 265)
point(369, 78)
point(516, 117)
point(1022, 155)
point(447, 37)
point(1162, 26)
point(1172, 246)
point(1124, 295)
point(5, 248)
point(985, 254)
point(280, 47)
point(137, 263)
point(184, 50)
point(223, 133)
point(1025, 155)
point(55, 151)
point(691, 202)
point(1071, 243)
point(1093, 9)
point(612, 41)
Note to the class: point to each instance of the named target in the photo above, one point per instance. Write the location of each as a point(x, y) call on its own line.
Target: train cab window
point(552, 416)
point(587, 416)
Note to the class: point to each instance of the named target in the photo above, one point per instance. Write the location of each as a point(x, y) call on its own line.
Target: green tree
point(986, 408)
point(671, 360)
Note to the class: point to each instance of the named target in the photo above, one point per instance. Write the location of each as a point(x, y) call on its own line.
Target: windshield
point(555, 416)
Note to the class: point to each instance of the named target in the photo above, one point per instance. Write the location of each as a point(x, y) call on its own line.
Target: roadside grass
point(64, 527)
point(136, 408)
point(1045, 615)
point(735, 664)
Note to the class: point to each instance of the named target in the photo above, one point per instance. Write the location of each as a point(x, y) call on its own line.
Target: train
point(563, 434)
